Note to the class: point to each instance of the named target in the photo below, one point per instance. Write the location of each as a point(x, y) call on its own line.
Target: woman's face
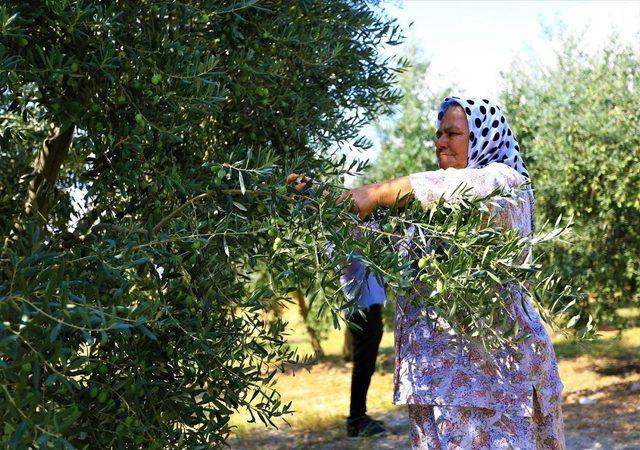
point(452, 139)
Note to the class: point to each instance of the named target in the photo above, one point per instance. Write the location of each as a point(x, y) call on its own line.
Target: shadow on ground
point(605, 346)
point(612, 422)
point(385, 362)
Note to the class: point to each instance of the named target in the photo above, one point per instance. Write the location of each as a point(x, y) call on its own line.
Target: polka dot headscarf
point(490, 138)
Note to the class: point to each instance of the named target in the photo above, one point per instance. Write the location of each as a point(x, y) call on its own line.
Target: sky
point(469, 43)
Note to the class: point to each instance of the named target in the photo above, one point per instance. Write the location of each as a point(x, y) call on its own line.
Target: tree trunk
point(304, 312)
point(46, 168)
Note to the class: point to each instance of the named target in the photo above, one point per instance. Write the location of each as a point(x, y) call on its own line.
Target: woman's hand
point(365, 199)
point(302, 181)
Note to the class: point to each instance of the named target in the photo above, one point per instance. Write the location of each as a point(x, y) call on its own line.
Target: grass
point(320, 395)
point(610, 344)
point(613, 344)
point(629, 313)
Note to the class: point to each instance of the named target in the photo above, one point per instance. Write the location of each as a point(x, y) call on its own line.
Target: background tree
point(579, 125)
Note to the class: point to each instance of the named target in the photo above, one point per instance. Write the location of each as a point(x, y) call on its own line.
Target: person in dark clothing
point(366, 330)
point(369, 297)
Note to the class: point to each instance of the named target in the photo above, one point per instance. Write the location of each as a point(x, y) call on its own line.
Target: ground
point(601, 400)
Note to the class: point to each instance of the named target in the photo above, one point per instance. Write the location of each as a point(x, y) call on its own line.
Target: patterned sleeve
point(429, 187)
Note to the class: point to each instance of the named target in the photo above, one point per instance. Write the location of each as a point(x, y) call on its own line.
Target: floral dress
point(459, 395)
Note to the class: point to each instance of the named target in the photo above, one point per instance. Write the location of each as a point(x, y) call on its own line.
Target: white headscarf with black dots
point(490, 138)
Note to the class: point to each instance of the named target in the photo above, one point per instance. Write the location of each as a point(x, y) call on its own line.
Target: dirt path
point(608, 419)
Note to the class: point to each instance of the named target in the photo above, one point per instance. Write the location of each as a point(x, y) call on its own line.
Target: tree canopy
point(143, 146)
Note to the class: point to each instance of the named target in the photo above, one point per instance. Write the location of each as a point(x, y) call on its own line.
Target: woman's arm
point(368, 197)
point(388, 193)
point(397, 190)
point(427, 187)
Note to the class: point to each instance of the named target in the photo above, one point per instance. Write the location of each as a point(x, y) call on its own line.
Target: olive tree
point(579, 122)
point(143, 147)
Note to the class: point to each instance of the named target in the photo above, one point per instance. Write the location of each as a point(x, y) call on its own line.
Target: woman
point(459, 396)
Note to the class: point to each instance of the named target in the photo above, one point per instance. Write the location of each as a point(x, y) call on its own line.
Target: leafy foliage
point(128, 316)
point(578, 122)
point(131, 312)
point(459, 265)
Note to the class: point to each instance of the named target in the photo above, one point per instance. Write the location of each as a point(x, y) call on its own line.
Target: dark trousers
point(366, 342)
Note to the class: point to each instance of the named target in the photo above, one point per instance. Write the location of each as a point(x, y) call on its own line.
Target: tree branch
point(55, 149)
point(304, 312)
point(46, 168)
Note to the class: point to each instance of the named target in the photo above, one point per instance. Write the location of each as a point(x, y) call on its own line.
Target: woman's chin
point(450, 162)
point(446, 162)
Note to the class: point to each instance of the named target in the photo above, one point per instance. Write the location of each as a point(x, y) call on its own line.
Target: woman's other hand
point(302, 181)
